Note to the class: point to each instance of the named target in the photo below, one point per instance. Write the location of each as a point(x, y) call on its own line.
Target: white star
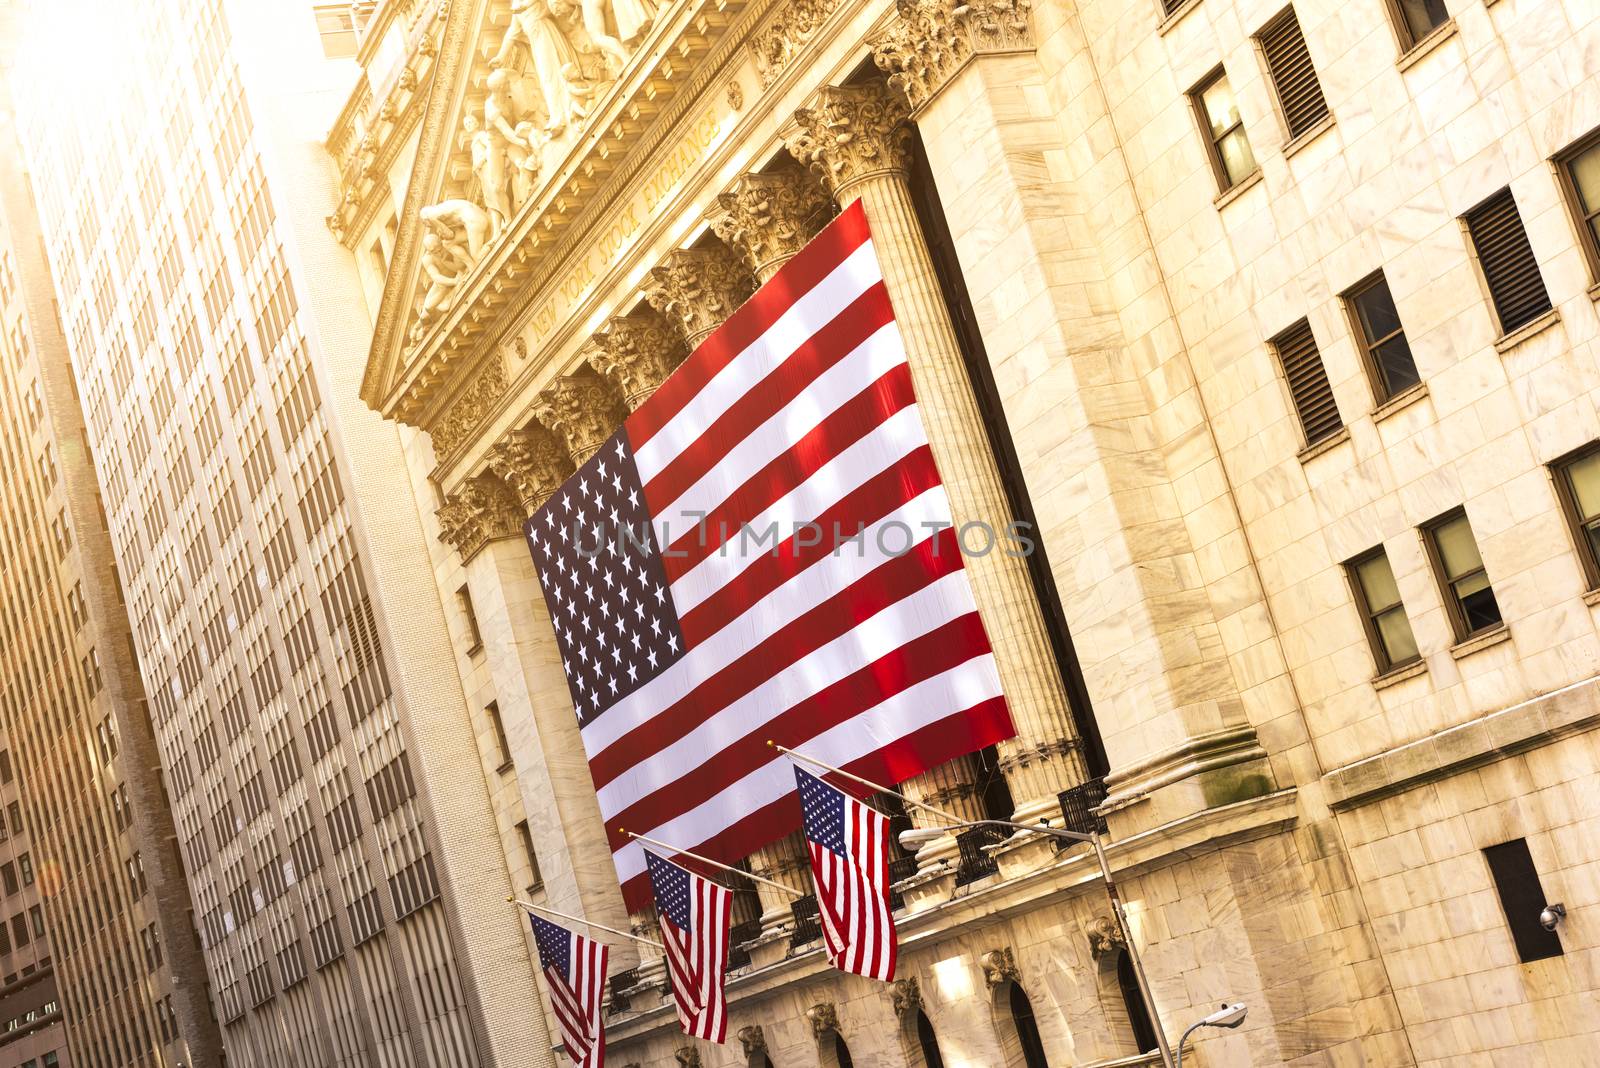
point(583, 487)
point(620, 453)
point(655, 626)
point(602, 469)
point(638, 610)
point(612, 683)
point(635, 636)
point(633, 672)
point(660, 593)
point(672, 642)
point(616, 483)
point(633, 498)
point(652, 658)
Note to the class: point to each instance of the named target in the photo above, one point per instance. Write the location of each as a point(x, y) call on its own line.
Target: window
point(1506, 260)
point(1144, 1032)
point(25, 868)
point(1516, 880)
point(526, 836)
point(1465, 584)
point(1383, 338)
point(1308, 382)
point(1027, 1030)
point(1294, 78)
point(1225, 140)
point(1416, 19)
point(1578, 485)
point(338, 30)
point(474, 636)
point(503, 746)
point(928, 1042)
point(1580, 174)
point(1388, 629)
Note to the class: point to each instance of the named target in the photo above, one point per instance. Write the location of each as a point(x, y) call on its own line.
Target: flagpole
point(717, 864)
point(531, 907)
point(813, 761)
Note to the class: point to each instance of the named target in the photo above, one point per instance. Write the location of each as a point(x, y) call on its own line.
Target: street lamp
point(914, 839)
point(1229, 1016)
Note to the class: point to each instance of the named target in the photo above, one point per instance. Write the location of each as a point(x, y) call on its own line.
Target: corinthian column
point(478, 511)
point(767, 218)
point(532, 463)
point(583, 410)
point(636, 352)
point(856, 139)
point(698, 288)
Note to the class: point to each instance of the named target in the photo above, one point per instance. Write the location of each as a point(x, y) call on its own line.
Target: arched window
point(1144, 1032)
point(1027, 1030)
point(841, 1052)
point(928, 1042)
point(759, 1059)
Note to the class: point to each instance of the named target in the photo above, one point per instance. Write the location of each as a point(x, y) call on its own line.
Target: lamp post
point(1229, 1016)
point(917, 837)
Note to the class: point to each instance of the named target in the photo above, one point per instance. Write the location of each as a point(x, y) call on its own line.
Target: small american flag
point(694, 914)
point(849, 846)
point(575, 970)
point(764, 551)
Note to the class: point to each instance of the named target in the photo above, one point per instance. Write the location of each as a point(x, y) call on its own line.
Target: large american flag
point(691, 634)
point(575, 971)
point(694, 914)
point(849, 846)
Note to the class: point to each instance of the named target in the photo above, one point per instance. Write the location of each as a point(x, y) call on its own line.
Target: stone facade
point(1289, 825)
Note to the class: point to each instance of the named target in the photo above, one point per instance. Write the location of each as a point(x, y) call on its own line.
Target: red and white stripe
point(853, 896)
point(698, 962)
point(578, 1004)
point(799, 408)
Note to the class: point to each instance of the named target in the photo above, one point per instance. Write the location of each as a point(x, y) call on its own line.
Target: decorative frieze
point(532, 462)
point(768, 218)
point(852, 133)
point(480, 510)
point(698, 288)
point(583, 409)
point(933, 40)
point(783, 38)
point(636, 352)
point(465, 415)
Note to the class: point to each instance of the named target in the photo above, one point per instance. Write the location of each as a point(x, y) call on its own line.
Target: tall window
point(1378, 596)
point(928, 1042)
point(1463, 580)
point(1416, 19)
point(1506, 259)
point(470, 614)
point(1383, 339)
point(841, 1052)
point(502, 746)
point(1578, 484)
point(1580, 173)
point(1308, 382)
point(1144, 1032)
point(1516, 882)
point(1229, 149)
point(1294, 78)
point(1032, 1046)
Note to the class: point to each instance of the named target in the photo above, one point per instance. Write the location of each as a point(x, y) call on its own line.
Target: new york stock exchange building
point(1273, 329)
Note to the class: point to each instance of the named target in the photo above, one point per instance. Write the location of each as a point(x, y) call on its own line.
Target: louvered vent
point(1308, 382)
point(1507, 261)
point(1293, 76)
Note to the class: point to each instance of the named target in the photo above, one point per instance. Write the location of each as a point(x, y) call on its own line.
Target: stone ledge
point(1528, 725)
point(1400, 401)
point(1327, 444)
point(1077, 872)
point(1441, 33)
point(1301, 140)
point(1468, 646)
point(1394, 676)
point(1527, 330)
point(1237, 189)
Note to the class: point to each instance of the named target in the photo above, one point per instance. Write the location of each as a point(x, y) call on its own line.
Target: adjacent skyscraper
point(216, 334)
point(95, 926)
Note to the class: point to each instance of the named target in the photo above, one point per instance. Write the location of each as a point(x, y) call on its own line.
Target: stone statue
point(489, 168)
point(551, 57)
point(594, 22)
point(444, 267)
point(459, 224)
point(634, 18)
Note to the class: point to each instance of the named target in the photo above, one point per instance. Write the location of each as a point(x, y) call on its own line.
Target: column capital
point(823, 1018)
point(636, 352)
point(478, 511)
point(768, 218)
point(933, 40)
point(753, 1039)
point(532, 462)
point(698, 288)
point(583, 410)
point(999, 966)
point(849, 133)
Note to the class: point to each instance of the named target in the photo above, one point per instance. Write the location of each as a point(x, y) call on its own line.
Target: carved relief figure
point(460, 224)
point(634, 18)
point(444, 266)
point(521, 140)
point(550, 58)
point(489, 168)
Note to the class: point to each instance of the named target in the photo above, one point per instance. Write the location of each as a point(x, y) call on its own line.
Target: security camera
point(1550, 916)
